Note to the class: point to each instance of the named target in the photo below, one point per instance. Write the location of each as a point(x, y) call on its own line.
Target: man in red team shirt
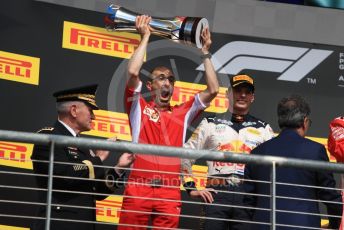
point(157, 122)
point(335, 145)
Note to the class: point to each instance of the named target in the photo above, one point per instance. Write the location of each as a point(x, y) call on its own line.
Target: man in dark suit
point(79, 178)
point(299, 201)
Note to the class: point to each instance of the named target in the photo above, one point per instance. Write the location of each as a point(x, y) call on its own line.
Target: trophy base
point(191, 29)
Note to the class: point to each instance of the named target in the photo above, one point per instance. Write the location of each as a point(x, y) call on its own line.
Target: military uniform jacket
point(75, 183)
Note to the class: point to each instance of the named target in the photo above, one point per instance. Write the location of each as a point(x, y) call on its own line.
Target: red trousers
point(138, 211)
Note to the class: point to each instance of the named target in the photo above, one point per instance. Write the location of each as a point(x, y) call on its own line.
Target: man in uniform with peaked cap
point(79, 178)
point(86, 94)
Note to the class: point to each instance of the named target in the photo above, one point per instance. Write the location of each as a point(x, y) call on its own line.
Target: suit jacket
point(75, 171)
point(290, 144)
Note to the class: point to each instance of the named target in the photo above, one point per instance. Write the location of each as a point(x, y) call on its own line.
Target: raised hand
point(206, 38)
point(142, 25)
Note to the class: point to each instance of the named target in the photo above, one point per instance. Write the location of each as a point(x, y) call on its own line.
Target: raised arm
point(212, 89)
point(136, 60)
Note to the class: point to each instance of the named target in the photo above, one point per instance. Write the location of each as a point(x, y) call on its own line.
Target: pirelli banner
point(50, 47)
point(19, 68)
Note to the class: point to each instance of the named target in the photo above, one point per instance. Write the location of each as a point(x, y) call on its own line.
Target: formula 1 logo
point(294, 63)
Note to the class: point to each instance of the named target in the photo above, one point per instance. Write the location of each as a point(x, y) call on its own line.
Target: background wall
point(243, 17)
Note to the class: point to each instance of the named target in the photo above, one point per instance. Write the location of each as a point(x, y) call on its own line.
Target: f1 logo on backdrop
point(294, 63)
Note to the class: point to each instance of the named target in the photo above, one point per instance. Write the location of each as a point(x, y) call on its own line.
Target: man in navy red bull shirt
point(233, 131)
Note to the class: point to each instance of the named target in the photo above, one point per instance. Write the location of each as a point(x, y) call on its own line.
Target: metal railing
point(95, 143)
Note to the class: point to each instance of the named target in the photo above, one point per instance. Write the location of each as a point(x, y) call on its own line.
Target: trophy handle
point(120, 18)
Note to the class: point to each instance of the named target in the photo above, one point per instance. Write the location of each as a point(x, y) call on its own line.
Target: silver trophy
point(180, 29)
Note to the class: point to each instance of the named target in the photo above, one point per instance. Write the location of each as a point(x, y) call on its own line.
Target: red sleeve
point(132, 96)
point(335, 140)
point(192, 109)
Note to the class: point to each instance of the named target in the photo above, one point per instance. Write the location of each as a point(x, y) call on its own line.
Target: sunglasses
point(163, 78)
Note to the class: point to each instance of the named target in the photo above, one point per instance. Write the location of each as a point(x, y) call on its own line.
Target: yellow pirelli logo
point(110, 124)
point(108, 210)
point(98, 40)
point(199, 176)
point(6, 227)
point(323, 141)
point(184, 91)
point(16, 154)
point(19, 68)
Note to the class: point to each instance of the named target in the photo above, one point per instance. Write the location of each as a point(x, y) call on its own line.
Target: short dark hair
point(292, 111)
point(148, 72)
point(160, 68)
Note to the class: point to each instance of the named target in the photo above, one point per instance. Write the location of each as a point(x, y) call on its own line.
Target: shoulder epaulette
point(45, 129)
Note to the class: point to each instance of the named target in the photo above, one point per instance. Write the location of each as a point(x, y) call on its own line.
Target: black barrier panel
point(35, 29)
